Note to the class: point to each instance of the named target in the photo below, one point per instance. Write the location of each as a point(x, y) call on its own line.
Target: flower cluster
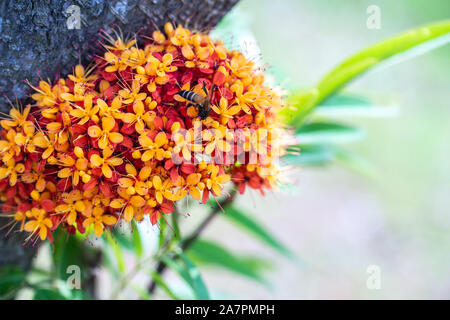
point(117, 141)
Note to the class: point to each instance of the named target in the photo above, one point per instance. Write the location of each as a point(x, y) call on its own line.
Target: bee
point(202, 103)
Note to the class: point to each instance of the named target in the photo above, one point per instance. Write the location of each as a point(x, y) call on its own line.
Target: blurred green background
point(336, 221)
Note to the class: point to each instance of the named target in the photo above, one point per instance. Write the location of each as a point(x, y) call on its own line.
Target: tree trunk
point(43, 38)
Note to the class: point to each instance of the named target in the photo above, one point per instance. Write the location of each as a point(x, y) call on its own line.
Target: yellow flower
point(240, 66)
point(47, 142)
point(46, 96)
point(224, 111)
point(23, 139)
point(244, 100)
point(215, 182)
point(194, 184)
point(120, 45)
point(159, 188)
point(99, 219)
point(153, 150)
point(8, 147)
point(88, 112)
point(40, 221)
point(196, 59)
point(104, 134)
point(110, 111)
point(81, 76)
point(18, 118)
point(106, 162)
point(132, 94)
point(129, 204)
point(72, 204)
point(215, 139)
point(11, 170)
point(138, 116)
point(75, 167)
point(157, 70)
point(136, 183)
point(116, 62)
point(186, 144)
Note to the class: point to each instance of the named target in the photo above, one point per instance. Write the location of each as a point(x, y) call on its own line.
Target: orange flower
point(106, 162)
point(215, 182)
point(195, 185)
point(8, 147)
point(225, 112)
point(11, 170)
point(157, 70)
point(153, 150)
point(75, 167)
point(72, 204)
point(82, 76)
point(39, 222)
point(130, 204)
point(87, 113)
point(136, 183)
point(99, 219)
point(18, 118)
point(105, 133)
point(197, 59)
point(132, 94)
point(138, 116)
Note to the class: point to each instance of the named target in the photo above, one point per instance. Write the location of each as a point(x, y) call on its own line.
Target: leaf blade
point(422, 39)
point(256, 229)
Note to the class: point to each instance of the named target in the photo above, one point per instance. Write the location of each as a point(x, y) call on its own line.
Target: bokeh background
point(336, 221)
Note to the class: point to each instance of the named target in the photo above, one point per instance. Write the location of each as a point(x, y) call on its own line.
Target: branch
point(186, 243)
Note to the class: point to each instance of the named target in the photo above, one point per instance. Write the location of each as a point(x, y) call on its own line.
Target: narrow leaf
point(353, 106)
point(396, 49)
point(249, 224)
point(327, 133)
point(215, 255)
point(310, 155)
point(137, 240)
point(160, 282)
point(197, 282)
point(117, 252)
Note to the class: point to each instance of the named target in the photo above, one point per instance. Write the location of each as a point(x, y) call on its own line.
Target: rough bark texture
point(35, 38)
point(36, 42)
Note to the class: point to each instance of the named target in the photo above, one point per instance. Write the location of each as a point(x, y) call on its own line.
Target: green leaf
point(68, 250)
point(143, 294)
point(198, 285)
point(12, 279)
point(327, 133)
point(123, 239)
point(215, 255)
point(177, 267)
point(392, 50)
point(137, 240)
point(162, 284)
point(352, 106)
point(190, 274)
point(117, 252)
point(311, 155)
point(249, 224)
point(48, 294)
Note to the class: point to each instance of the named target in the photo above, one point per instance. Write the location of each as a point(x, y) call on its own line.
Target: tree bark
point(39, 40)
